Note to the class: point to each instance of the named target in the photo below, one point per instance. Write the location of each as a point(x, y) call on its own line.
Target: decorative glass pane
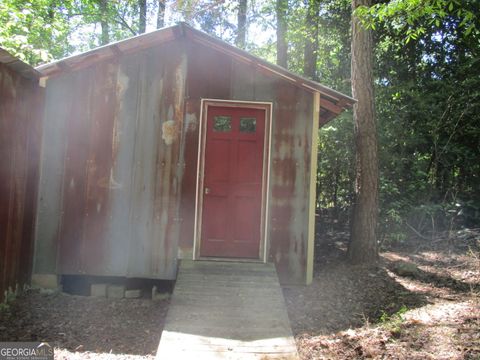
point(222, 123)
point(248, 125)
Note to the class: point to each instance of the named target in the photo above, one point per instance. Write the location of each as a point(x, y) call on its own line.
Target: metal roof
point(332, 102)
point(17, 65)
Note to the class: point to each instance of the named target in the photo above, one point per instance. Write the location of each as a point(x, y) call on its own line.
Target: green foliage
point(35, 31)
point(394, 322)
point(411, 18)
point(399, 315)
point(428, 112)
point(214, 18)
point(335, 166)
point(38, 31)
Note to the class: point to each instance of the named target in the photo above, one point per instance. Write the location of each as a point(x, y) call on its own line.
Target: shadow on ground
point(81, 323)
point(344, 296)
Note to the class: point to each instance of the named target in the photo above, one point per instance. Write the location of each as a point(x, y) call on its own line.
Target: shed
point(176, 145)
point(20, 129)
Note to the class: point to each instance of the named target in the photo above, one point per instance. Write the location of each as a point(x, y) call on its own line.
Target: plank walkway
point(227, 310)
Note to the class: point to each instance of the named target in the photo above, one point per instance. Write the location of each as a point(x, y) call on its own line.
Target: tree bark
point(311, 40)
point(142, 16)
point(241, 24)
point(282, 47)
point(105, 38)
point(161, 14)
point(363, 246)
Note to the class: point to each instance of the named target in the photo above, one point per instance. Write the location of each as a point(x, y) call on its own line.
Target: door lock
point(207, 191)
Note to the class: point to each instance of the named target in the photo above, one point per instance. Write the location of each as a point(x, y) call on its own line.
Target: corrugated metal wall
point(111, 168)
point(119, 167)
point(20, 133)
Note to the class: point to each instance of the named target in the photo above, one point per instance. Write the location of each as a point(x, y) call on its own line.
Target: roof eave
point(18, 66)
point(331, 100)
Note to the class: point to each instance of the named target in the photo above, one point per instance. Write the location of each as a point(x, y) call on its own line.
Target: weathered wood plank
point(219, 311)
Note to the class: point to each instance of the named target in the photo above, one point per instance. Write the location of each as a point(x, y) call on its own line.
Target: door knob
point(207, 191)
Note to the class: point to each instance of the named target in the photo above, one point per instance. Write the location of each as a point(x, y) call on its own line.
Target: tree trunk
point(105, 39)
point(161, 14)
point(241, 24)
point(363, 240)
point(311, 40)
point(142, 16)
point(282, 47)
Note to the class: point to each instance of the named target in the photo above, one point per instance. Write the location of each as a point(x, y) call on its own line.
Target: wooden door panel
point(248, 162)
point(219, 149)
point(233, 174)
point(215, 227)
point(245, 219)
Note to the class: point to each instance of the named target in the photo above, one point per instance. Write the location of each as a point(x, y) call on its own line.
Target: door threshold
point(220, 259)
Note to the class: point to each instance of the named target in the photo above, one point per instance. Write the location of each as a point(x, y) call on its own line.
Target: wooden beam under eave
point(328, 105)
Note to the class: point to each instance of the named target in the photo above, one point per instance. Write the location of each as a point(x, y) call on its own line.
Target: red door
point(232, 193)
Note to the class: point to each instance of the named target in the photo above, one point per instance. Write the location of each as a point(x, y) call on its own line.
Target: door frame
point(205, 104)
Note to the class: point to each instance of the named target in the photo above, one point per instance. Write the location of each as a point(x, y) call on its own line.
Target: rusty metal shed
point(176, 145)
point(20, 130)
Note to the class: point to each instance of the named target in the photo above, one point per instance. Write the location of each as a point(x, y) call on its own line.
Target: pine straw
point(378, 314)
point(440, 331)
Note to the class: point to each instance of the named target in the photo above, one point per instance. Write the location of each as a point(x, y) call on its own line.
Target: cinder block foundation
point(116, 291)
point(98, 290)
point(133, 294)
point(45, 281)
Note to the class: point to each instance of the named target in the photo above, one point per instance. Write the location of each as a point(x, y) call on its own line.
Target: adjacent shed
point(176, 145)
point(20, 131)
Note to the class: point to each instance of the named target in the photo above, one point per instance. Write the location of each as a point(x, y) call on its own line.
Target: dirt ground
point(422, 301)
point(86, 327)
point(396, 310)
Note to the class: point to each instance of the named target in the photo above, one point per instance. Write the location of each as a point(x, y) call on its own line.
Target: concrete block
point(133, 294)
point(98, 290)
point(45, 281)
point(116, 291)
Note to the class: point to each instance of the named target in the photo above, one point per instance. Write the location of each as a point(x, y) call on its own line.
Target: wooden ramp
point(227, 310)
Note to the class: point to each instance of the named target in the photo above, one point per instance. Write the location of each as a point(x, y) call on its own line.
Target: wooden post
point(313, 188)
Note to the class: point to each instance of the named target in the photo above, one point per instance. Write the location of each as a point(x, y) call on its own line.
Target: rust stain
point(20, 109)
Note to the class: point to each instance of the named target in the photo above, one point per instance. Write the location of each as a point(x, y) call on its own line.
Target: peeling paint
point(169, 132)
point(122, 84)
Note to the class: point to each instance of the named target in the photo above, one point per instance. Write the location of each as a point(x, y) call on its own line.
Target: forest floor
point(420, 302)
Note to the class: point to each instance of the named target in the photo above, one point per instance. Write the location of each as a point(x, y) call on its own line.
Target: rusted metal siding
point(118, 184)
point(119, 140)
point(290, 182)
point(213, 75)
point(58, 104)
point(20, 124)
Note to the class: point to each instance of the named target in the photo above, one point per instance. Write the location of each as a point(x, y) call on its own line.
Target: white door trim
point(267, 106)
